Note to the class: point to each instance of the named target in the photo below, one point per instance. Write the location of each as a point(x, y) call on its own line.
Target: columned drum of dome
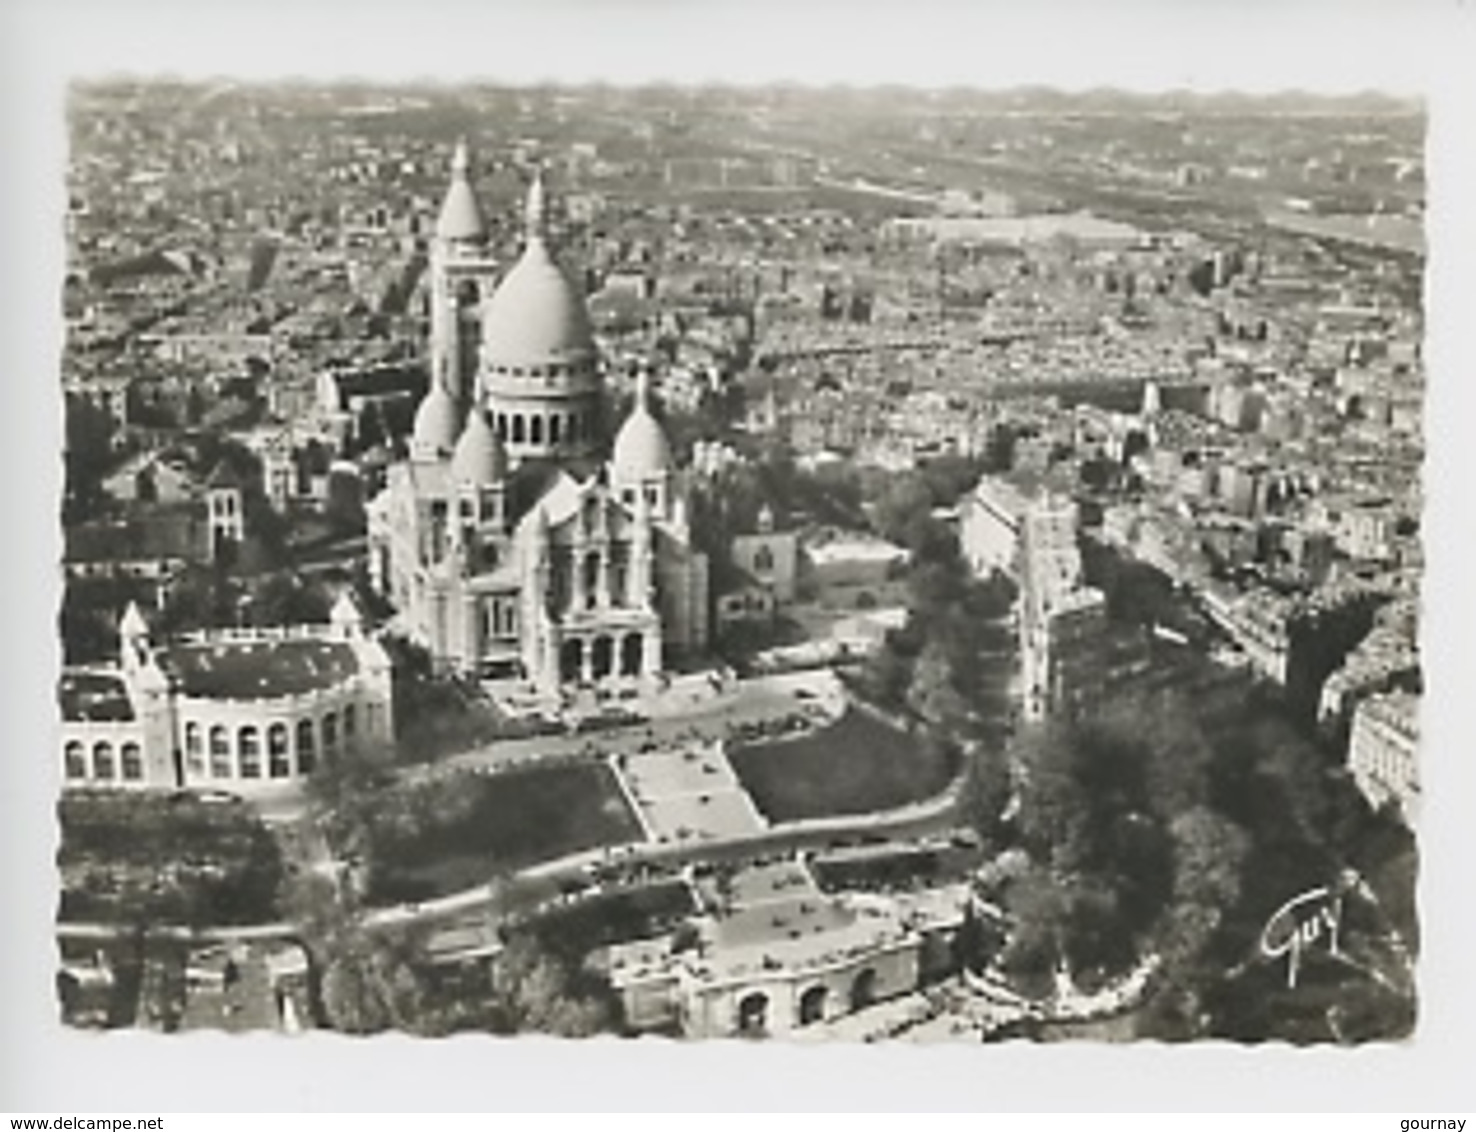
point(539, 367)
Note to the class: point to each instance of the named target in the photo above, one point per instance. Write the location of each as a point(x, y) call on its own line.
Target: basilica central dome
point(539, 366)
point(536, 317)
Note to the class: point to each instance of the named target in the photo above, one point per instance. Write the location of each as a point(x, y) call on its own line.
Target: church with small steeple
point(518, 541)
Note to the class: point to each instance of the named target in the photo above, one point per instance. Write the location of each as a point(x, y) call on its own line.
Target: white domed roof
point(641, 447)
point(479, 457)
point(461, 217)
point(436, 424)
point(537, 313)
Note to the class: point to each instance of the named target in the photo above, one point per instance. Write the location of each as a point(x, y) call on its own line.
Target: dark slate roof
point(410, 380)
point(259, 670)
point(93, 697)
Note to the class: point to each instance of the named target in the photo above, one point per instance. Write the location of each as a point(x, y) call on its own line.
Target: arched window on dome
point(535, 429)
point(306, 747)
point(518, 432)
point(502, 427)
point(279, 763)
point(76, 760)
point(248, 751)
point(574, 429)
point(553, 428)
point(350, 724)
point(102, 762)
point(220, 753)
point(330, 736)
point(133, 767)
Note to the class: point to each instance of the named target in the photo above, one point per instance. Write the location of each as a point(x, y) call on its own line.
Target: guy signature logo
point(1304, 920)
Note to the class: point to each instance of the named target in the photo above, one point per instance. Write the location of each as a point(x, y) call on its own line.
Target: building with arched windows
point(515, 541)
point(782, 958)
point(242, 710)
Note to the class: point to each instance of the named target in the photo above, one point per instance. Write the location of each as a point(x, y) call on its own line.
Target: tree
point(1054, 810)
point(347, 795)
point(932, 693)
point(353, 997)
point(987, 789)
point(976, 943)
point(284, 599)
point(903, 507)
point(369, 985)
point(539, 994)
point(87, 633)
point(885, 675)
point(947, 477)
point(1039, 910)
point(936, 589)
point(990, 598)
point(309, 899)
point(1157, 749)
point(1209, 851)
point(201, 597)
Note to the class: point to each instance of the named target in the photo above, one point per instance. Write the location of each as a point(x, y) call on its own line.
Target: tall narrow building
point(462, 275)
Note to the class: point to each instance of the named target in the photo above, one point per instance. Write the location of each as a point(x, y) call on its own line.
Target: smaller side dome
point(641, 448)
point(480, 457)
point(434, 432)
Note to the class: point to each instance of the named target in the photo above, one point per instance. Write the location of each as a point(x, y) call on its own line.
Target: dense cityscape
point(863, 564)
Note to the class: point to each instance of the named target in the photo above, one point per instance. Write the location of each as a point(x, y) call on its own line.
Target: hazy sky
point(1245, 44)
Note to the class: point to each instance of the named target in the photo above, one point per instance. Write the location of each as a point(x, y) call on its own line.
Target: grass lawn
point(857, 765)
point(503, 822)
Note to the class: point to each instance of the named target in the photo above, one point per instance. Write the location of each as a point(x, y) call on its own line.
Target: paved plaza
point(688, 793)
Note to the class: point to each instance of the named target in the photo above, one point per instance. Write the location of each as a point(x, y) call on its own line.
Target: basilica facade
point(517, 541)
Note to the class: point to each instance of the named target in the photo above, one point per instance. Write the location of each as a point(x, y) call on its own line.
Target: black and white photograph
point(685, 557)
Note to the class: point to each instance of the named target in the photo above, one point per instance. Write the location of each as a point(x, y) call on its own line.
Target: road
point(626, 867)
